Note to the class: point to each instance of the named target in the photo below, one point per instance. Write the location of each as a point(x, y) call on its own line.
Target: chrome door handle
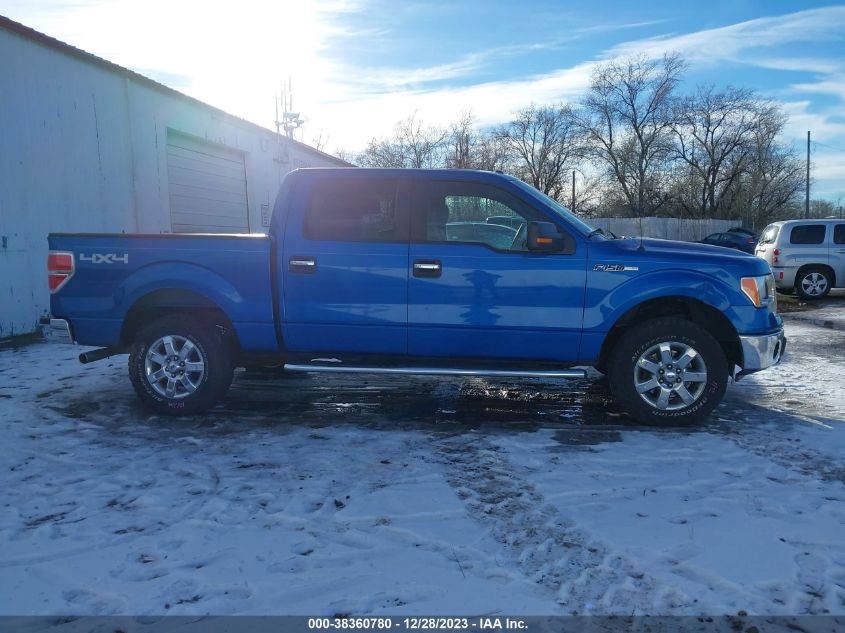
point(302, 265)
point(427, 268)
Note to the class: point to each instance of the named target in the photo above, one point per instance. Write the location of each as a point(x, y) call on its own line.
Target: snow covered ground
point(367, 495)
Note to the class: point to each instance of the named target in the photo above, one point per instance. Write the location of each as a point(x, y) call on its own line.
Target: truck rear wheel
point(668, 371)
point(179, 365)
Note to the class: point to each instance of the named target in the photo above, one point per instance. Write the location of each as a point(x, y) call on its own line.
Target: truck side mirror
point(545, 237)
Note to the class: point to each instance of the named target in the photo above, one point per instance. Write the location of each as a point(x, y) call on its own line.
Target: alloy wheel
point(174, 366)
point(814, 284)
point(670, 375)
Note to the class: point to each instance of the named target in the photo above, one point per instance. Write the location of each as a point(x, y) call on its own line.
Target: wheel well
point(686, 308)
point(825, 267)
point(171, 300)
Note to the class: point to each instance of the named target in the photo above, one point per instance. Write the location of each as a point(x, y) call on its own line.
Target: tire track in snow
point(582, 573)
point(775, 440)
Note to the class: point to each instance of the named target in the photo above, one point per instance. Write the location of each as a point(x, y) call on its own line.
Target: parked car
point(358, 268)
point(494, 234)
point(806, 256)
point(513, 221)
point(740, 241)
point(739, 229)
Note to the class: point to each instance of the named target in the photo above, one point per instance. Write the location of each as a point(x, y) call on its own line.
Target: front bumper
point(56, 330)
point(760, 352)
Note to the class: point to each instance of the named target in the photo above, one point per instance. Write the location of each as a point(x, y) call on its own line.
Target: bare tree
point(587, 200)
point(413, 145)
point(775, 176)
point(320, 140)
point(462, 142)
point(545, 143)
point(471, 148)
point(627, 117)
point(347, 155)
point(714, 134)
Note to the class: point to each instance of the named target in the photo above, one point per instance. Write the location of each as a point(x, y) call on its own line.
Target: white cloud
point(735, 41)
point(827, 126)
point(371, 107)
point(236, 56)
point(832, 85)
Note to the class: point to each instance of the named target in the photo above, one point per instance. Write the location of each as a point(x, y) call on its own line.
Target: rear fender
point(181, 276)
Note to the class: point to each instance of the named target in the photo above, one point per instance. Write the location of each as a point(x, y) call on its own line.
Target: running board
point(441, 371)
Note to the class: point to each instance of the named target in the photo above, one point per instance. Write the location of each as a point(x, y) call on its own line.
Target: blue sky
point(358, 66)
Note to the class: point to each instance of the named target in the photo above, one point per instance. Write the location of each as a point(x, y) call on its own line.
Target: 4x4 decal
point(104, 258)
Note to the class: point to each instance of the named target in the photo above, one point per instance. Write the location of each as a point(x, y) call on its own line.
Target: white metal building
point(89, 146)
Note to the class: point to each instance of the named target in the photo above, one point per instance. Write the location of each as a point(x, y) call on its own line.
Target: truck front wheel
point(668, 371)
point(179, 365)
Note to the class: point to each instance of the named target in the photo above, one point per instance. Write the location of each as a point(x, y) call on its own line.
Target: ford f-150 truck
point(419, 271)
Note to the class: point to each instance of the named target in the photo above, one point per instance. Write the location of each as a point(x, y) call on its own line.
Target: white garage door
point(207, 187)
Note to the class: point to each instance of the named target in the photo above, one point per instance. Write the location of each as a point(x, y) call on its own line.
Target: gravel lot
point(315, 494)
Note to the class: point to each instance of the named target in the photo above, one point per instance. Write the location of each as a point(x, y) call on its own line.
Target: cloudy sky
point(358, 66)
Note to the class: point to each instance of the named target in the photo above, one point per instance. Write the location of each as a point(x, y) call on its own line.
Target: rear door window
point(807, 234)
point(839, 234)
point(355, 210)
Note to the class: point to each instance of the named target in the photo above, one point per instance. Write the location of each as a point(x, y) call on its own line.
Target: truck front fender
point(604, 305)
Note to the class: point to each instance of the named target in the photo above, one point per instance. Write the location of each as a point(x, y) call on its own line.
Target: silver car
point(807, 256)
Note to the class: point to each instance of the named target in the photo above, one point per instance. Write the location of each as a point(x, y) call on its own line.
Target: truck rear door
point(344, 265)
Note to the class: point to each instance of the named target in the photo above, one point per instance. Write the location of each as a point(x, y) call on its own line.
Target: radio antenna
point(640, 222)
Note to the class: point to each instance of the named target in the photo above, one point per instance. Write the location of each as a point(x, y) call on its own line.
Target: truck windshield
point(558, 208)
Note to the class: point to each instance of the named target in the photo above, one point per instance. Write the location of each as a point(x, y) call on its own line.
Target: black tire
point(707, 392)
point(813, 283)
point(210, 347)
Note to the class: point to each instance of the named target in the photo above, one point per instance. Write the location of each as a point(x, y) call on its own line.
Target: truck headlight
point(760, 291)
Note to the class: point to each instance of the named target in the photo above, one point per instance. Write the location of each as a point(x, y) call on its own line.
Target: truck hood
point(673, 253)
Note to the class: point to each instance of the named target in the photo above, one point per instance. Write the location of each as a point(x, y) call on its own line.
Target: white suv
point(807, 256)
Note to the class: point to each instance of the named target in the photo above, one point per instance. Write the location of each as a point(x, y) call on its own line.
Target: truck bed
point(121, 272)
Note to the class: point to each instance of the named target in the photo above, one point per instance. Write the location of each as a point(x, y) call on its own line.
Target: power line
point(838, 149)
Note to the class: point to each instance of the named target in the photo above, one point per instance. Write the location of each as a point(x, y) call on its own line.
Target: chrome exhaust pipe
point(97, 354)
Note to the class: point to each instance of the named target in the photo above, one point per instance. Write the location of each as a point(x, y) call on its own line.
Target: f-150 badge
point(104, 258)
point(614, 268)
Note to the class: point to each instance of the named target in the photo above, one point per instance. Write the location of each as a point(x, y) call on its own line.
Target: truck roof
point(476, 175)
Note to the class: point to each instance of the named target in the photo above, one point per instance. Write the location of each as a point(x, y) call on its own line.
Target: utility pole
point(573, 191)
point(807, 195)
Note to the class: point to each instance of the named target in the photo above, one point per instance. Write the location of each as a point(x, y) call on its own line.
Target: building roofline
point(63, 47)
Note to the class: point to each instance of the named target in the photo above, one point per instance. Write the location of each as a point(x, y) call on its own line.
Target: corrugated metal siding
point(83, 147)
point(207, 186)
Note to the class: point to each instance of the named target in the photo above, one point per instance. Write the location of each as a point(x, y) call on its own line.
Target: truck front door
point(476, 291)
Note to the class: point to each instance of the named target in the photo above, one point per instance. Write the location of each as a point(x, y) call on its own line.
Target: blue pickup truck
point(446, 272)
